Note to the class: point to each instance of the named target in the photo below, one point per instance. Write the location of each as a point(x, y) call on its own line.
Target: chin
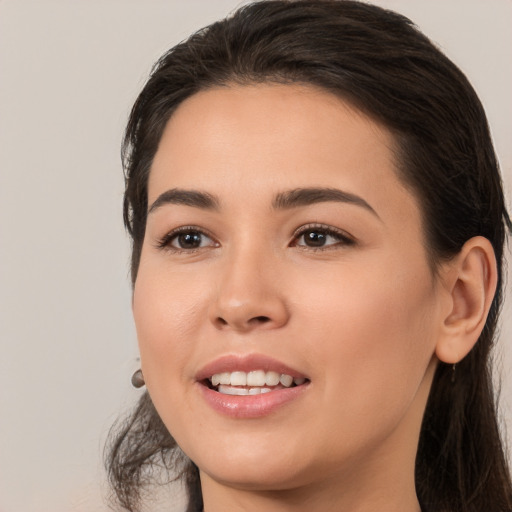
point(262, 477)
point(252, 465)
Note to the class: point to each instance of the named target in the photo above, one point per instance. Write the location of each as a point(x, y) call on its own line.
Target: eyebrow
point(194, 198)
point(307, 196)
point(282, 201)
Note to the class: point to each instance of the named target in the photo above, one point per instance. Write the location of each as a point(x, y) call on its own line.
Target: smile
point(256, 382)
point(249, 386)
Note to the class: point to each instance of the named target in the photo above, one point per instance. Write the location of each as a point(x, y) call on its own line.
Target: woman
point(318, 226)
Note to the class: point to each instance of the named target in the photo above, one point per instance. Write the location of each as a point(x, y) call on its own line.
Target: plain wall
point(69, 72)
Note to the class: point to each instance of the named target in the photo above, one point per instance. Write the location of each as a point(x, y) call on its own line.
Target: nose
point(250, 294)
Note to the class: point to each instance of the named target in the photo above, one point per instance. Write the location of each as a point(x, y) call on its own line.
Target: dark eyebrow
point(306, 196)
point(193, 198)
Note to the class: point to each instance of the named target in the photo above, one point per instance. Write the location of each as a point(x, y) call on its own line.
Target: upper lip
point(245, 363)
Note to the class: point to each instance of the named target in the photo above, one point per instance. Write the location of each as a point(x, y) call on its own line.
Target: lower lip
point(251, 406)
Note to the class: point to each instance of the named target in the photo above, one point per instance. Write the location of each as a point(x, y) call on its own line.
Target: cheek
point(374, 327)
point(166, 312)
point(371, 341)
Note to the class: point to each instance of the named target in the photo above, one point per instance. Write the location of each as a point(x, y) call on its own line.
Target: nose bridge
point(249, 294)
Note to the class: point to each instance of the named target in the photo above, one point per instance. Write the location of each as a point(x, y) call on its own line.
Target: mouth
point(255, 382)
point(250, 385)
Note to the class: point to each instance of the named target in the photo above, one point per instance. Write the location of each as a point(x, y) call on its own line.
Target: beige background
point(69, 72)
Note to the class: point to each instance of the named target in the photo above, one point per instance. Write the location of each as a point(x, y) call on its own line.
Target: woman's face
point(281, 242)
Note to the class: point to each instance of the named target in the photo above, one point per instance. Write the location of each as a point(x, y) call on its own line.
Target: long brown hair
point(378, 61)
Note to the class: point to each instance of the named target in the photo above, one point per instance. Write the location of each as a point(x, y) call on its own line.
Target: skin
point(362, 319)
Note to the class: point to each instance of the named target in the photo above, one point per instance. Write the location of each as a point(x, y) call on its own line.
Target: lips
point(249, 386)
point(246, 363)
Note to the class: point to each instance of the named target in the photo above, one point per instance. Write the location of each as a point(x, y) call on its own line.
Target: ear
point(470, 282)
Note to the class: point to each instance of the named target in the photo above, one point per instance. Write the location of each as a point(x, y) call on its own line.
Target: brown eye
point(314, 238)
point(191, 240)
point(186, 239)
point(321, 237)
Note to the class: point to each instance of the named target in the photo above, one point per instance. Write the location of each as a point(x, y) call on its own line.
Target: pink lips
point(253, 406)
point(245, 363)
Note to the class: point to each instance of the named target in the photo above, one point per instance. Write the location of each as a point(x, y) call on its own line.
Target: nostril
point(259, 320)
point(242, 323)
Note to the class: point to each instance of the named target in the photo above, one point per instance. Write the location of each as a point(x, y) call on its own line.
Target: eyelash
point(165, 242)
point(343, 239)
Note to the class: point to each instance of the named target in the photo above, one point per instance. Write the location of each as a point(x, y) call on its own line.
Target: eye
point(317, 237)
point(186, 239)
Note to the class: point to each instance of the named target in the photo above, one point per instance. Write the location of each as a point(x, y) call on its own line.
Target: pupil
point(189, 240)
point(314, 238)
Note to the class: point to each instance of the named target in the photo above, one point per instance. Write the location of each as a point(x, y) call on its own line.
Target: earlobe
point(471, 284)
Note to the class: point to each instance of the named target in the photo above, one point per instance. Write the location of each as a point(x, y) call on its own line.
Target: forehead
point(239, 140)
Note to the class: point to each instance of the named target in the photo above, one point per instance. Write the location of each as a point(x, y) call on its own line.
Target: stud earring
point(138, 379)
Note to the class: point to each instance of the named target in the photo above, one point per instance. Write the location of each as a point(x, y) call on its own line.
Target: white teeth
point(221, 378)
point(272, 378)
point(230, 390)
point(286, 380)
point(239, 379)
point(225, 378)
point(255, 379)
point(259, 391)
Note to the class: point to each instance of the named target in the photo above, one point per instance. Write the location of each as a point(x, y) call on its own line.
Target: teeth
point(272, 379)
point(225, 378)
point(239, 379)
point(230, 390)
point(221, 378)
point(255, 379)
point(286, 380)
